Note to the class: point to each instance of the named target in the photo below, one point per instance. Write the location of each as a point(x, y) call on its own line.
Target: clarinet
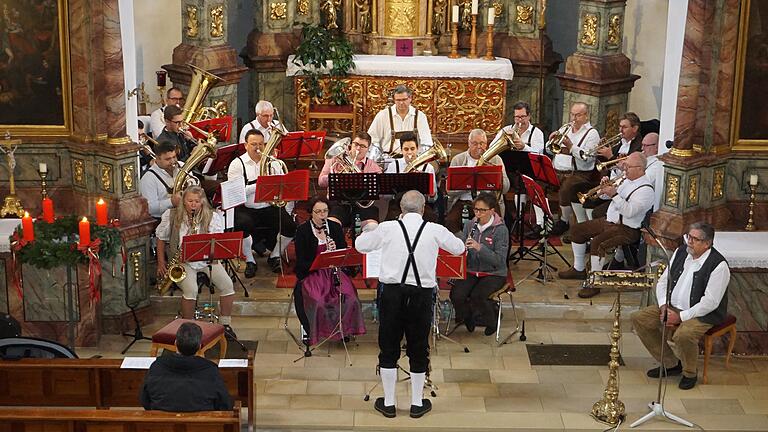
point(472, 231)
point(329, 241)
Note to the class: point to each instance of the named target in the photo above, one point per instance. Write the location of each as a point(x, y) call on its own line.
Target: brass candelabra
point(454, 42)
point(43, 184)
point(489, 44)
point(610, 409)
point(473, 39)
point(751, 222)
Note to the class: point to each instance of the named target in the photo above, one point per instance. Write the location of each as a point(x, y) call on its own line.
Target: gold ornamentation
point(498, 8)
point(221, 106)
point(193, 25)
point(673, 190)
point(303, 7)
point(128, 171)
point(217, 21)
point(466, 14)
point(683, 153)
point(78, 172)
point(402, 18)
point(329, 8)
point(614, 31)
point(278, 11)
point(610, 409)
point(11, 204)
point(718, 180)
point(524, 14)
point(589, 29)
point(106, 177)
point(693, 190)
point(612, 119)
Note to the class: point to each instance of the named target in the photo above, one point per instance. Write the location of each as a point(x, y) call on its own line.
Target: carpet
point(570, 355)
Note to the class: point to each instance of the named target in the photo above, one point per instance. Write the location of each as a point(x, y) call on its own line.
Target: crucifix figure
point(11, 204)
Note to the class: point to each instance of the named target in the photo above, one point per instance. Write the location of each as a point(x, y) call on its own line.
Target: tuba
point(201, 83)
point(278, 132)
point(555, 144)
point(504, 142)
point(436, 152)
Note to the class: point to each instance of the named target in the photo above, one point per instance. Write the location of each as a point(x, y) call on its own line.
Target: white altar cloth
point(743, 249)
point(424, 67)
point(7, 226)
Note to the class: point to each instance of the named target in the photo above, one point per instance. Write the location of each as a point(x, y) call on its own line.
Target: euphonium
point(584, 196)
point(175, 272)
point(605, 142)
point(436, 152)
point(555, 144)
point(344, 163)
point(497, 146)
point(603, 165)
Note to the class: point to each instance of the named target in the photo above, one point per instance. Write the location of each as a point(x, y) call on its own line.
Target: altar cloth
point(743, 249)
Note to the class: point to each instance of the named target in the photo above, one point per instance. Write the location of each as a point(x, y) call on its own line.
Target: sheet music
point(373, 264)
point(137, 362)
point(233, 363)
point(207, 166)
point(229, 218)
point(232, 193)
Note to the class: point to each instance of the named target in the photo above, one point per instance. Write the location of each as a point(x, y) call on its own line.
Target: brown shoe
point(572, 273)
point(588, 292)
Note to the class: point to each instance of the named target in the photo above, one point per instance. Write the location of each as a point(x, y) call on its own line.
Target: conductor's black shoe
point(274, 264)
point(673, 371)
point(250, 269)
point(559, 228)
point(229, 333)
point(469, 322)
point(687, 383)
point(489, 330)
point(386, 411)
point(418, 411)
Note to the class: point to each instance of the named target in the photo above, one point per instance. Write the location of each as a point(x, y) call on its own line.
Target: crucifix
point(11, 204)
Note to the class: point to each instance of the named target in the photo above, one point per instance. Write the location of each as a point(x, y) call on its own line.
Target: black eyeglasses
point(480, 210)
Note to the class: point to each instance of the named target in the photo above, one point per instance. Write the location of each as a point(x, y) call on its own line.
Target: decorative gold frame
point(738, 143)
point(64, 130)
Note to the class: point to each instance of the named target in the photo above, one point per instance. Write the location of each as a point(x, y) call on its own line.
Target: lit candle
point(101, 212)
point(43, 168)
point(474, 7)
point(161, 78)
point(491, 15)
point(753, 180)
point(27, 228)
point(455, 18)
point(48, 214)
point(85, 232)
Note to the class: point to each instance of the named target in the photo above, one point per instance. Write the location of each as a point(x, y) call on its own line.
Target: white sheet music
point(229, 218)
point(373, 264)
point(232, 193)
point(137, 362)
point(233, 363)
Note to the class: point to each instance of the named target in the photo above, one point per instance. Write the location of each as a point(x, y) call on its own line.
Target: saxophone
point(175, 272)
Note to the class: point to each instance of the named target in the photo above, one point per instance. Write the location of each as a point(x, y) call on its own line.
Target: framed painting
point(749, 125)
point(34, 68)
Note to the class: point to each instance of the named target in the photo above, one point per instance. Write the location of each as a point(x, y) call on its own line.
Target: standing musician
point(259, 220)
point(457, 200)
point(194, 216)
point(410, 245)
point(410, 151)
point(265, 112)
point(174, 133)
point(630, 201)
point(157, 182)
point(391, 122)
point(579, 168)
point(173, 97)
point(358, 149)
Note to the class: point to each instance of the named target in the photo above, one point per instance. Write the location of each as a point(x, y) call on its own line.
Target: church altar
point(456, 95)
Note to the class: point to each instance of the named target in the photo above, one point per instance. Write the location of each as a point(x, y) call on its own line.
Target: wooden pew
point(122, 420)
point(99, 383)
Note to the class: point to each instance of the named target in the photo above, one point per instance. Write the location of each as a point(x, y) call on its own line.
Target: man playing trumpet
point(630, 201)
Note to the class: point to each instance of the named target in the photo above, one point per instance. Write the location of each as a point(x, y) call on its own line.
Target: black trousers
point(298, 303)
point(470, 297)
point(263, 224)
point(405, 310)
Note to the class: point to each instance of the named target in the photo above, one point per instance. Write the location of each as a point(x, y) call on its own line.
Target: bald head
point(412, 202)
point(651, 144)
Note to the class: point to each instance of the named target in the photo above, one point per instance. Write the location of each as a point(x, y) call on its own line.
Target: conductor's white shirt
point(388, 237)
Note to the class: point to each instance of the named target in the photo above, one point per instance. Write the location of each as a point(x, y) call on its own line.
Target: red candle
point(48, 210)
point(27, 228)
point(85, 232)
point(101, 212)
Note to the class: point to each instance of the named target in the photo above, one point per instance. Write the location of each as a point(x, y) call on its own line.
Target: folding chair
point(508, 288)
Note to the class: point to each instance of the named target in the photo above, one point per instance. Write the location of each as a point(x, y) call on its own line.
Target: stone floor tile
point(315, 374)
point(754, 406)
point(513, 404)
point(531, 390)
point(712, 406)
point(325, 419)
point(460, 421)
point(325, 402)
point(479, 389)
point(358, 373)
point(272, 401)
point(471, 361)
point(514, 376)
point(587, 375)
point(758, 392)
point(723, 391)
point(719, 422)
point(285, 386)
point(466, 375)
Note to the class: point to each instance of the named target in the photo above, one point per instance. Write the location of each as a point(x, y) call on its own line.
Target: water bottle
point(445, 310)
point(375, 311)
point(464, 215)
point(358, 224)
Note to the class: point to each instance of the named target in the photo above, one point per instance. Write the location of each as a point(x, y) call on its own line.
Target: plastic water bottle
point(445, 309)
point(464, 215)
point(375, 311)
point(358, 224)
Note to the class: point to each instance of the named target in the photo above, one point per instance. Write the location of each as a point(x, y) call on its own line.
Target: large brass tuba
point(278, 132)
point(497, 146)
point(175, 272)
point(436, 152)
point(202, 82)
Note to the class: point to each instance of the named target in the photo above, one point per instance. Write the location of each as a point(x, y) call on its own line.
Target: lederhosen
point(406, 310)
point(396, 135)
point(577, 181)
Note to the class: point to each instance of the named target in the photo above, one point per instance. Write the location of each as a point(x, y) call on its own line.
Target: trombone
point(146, 148)
point(604, 143)
point(595, 191)
point(555, 144)
point(603, 165)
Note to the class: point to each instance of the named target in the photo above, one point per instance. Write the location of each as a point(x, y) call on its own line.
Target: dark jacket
point(700, 282)
point(178, 383)
point(184, 145)
point(492, 256)
point(305, 243)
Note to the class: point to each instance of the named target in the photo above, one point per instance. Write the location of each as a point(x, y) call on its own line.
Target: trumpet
point(604, 143)
point(595, 191)
point(603, 165)
point(555, 144)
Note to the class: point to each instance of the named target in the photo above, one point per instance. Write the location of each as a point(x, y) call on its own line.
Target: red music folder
point(293, 186)
point(301, 144)
point(485, 177)
point(204, 247)
point(347, 257)
point(221, 127)
point(224, 156)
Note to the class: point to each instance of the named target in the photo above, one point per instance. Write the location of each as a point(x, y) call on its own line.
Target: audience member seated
point(157, 183)
point(487, 240)
point(184, 382)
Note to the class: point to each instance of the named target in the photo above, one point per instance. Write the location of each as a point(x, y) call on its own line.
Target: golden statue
point(466, 15)
point(364, 25)
point(329, 7)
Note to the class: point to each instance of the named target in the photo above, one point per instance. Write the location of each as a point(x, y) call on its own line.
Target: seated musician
point(392, 121)
point(487, 240)
point(157, 182)
point(194, 216)
point(577, 167)
point(457, 200)
point(699, 300)
point(630, 201)
point(316, 295)
point(343, 213)
point(410, 151)
point(174, 133)
point(184, 382)
point(174, 96)
point(265, 112)
point(261, 221)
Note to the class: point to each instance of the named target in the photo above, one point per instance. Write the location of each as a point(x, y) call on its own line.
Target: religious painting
point(750, 123)
point(34, 67)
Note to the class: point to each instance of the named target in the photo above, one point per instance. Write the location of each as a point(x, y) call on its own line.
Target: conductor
point(405, 302)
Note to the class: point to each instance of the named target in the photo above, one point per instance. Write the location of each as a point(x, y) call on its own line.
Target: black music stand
point(211, 247)
point(349, 188)
point(394, 183)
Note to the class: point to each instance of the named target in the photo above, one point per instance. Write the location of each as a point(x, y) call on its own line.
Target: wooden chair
point(728, 326)
point(508, 288)
point(213, 334)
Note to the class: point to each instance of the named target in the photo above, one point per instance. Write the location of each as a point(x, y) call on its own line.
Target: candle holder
point(454, 42)
point(43, 184)
point(473, 39)
point(751, 223)
point(489, 44)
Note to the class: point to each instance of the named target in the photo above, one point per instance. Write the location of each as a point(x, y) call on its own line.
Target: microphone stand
point(657, 406)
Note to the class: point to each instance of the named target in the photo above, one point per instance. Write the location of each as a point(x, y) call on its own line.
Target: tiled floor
point(489, 388)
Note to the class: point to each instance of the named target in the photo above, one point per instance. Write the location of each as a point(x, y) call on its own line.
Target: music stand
point(485, 177)
point(393, 183)
point(350, 188)
point(299, 144)
point(220, 127)
point(224, 157)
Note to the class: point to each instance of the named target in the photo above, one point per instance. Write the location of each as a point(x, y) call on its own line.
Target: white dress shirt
point(381, 130)
point(681, 292)
point(254, 124)
point(399, 165)
point(389, 238)
point(533, 144)
point(631, 213)
point(252, 169)
point(654, 169)
point(163, 232)
point(563, 162)
point(155, 192)
point(157, 122)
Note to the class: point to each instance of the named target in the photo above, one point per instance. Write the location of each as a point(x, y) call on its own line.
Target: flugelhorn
point(604, 143)
point(592, 193)
point(436, 152)
point(603, 165)
point(555, 144)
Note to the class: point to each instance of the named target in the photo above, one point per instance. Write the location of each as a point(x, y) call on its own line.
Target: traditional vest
point(700, 281)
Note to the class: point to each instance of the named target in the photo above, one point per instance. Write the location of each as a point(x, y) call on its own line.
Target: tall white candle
point(474, 7)
point(491, 15)
point(43, 168)
point(753, 180)
point(455, 17)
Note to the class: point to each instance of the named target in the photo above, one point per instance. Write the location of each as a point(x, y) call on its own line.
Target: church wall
point(645, 32)
point(158, 32)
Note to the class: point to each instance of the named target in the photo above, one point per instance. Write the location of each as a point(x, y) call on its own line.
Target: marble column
point(114, 80)
point(598, 73)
